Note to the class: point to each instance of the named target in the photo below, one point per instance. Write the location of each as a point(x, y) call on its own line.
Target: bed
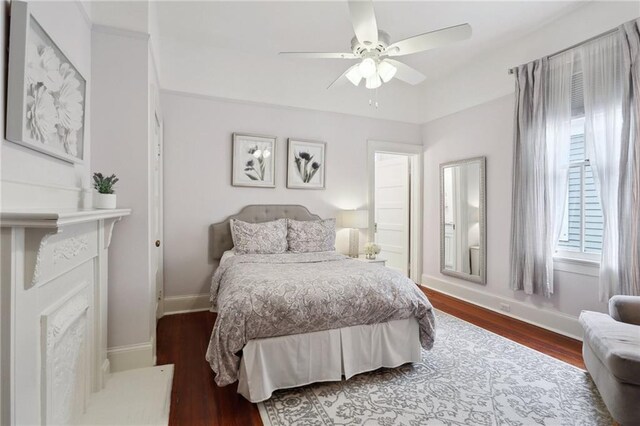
point(290, 319)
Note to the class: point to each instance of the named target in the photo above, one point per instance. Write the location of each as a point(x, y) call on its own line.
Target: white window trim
point(577, 263)
point(574, 265)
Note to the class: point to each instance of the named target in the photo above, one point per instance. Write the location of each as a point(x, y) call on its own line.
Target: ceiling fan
point(374, 50)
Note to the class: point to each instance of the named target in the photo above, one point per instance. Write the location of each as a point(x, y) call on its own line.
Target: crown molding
point(108, 29)
point(84, 13)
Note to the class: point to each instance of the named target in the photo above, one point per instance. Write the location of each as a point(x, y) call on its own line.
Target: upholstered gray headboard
point(221, 232)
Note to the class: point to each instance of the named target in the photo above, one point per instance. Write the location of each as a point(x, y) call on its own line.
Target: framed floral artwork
point(46, 93)
point(253, 162)
point(306, 164)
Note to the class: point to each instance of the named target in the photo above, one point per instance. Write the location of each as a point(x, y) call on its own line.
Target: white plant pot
point(104, 201)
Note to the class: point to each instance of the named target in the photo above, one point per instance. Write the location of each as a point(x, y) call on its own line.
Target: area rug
point(470, 377)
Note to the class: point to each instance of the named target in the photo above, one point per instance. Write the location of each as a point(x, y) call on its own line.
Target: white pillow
point(259, 238)
point(311, 235)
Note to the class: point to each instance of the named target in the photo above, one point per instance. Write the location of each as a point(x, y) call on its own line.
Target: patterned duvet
point(267, 295)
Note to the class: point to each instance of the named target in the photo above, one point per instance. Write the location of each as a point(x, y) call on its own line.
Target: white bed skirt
point(301, 359)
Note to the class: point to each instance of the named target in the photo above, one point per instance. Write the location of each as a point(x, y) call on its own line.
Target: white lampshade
point(354, 75)
point(355, 219)
point(373, 82)
point(386, 71)
point(367, 67)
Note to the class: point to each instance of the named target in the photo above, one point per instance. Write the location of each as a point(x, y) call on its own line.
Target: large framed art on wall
point(46, 94)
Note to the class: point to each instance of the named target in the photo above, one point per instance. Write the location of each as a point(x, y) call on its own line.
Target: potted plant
point(105, 198)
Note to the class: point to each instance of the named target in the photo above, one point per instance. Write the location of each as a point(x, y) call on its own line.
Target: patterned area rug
point(471, 377)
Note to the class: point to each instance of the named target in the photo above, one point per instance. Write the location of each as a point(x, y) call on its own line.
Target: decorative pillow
point(259, 238)
point(311, 235)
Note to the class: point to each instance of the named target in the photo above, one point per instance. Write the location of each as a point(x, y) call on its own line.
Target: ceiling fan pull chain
point(372, 102)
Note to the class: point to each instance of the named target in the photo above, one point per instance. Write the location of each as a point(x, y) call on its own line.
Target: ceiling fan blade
point(406, 73)
point(364, 22)
point(320, 55)
point(430, 40)
point(342, 79)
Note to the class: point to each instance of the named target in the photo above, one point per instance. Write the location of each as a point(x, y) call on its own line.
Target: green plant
point(104, 185)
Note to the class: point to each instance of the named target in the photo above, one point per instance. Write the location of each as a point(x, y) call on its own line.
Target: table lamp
point(354, 220)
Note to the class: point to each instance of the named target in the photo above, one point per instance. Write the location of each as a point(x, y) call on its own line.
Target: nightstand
point(377, 260)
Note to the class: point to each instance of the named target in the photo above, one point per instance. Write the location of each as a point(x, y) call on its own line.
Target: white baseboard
point(555, 321)
point(128, 357)
point(183, 304)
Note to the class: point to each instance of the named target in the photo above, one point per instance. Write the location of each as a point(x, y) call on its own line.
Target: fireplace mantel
point(53, 308)
point(45, 218)
point(40, 225)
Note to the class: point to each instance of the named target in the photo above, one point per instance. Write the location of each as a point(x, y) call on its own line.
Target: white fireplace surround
point(53, 312)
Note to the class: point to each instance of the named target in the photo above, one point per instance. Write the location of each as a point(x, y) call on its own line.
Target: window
point(581, 235)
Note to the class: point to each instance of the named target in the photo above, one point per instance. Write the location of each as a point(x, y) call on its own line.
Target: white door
point(157, 290)
point(391, 209)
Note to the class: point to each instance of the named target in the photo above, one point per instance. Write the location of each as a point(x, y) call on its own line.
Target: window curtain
point(542, 140)
point(611, 93)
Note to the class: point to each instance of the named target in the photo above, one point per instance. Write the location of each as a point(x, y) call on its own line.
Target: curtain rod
point(606, 33)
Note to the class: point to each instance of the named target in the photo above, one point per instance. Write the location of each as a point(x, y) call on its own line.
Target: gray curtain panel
point(611, 93)
point(631, 279)
point(531, 262)
point(632, 34)
point(541, 165)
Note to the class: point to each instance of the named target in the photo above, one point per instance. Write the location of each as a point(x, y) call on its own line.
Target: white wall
point(4, 60)
point(487, 130)
point(485, 77)
point(470, 114)
point(197, 186)
point(120, 133)
point(4, 40)
point(252, 76)
point(36, 180)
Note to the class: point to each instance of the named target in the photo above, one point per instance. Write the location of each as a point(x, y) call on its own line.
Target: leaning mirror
point(463, 252)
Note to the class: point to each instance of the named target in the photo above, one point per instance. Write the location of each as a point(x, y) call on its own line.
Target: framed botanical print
point(306, 164)
point(253, 161)
point(46, 93)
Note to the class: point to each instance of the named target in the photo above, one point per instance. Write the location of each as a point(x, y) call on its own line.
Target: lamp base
point(354, 244)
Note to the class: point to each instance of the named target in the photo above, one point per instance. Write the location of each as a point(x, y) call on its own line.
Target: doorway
point(391, 209)
point(395, 204)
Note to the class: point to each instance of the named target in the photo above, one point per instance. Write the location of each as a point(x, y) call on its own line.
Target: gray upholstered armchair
point(611, 352)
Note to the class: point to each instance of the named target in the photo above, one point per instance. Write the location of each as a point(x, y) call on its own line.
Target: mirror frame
point(482, 220)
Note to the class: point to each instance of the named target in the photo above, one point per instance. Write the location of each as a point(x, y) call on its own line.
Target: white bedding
point(300, 359)
point(267, 296)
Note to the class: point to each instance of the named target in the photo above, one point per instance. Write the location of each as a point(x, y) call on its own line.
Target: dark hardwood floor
point(545, 341)
point(196, 400)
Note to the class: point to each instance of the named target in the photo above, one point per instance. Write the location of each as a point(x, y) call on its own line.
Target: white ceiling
point(266, 28)
point(230, 49)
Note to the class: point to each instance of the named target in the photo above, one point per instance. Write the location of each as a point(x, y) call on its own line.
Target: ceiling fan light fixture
point(354, 75)
point(373, 82)
point(386, 71)
point(367, 67)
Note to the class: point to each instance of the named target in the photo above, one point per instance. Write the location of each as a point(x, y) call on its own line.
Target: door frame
point(156, 305)
point(414, 153)
point(159, 307)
